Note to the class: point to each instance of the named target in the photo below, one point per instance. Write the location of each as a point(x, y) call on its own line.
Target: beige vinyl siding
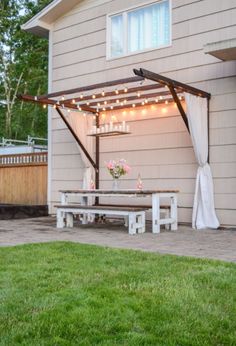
point(159, 148)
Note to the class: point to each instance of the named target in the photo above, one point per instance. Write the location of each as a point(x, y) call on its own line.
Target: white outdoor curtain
point(82, 126)
point(204, 215)
point(148, 27)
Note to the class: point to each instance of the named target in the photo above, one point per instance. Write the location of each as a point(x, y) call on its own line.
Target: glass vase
point(115, 184)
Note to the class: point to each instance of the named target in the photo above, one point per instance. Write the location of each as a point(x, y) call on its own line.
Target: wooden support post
point(97, 157)
point(179, 105)
point(76, 138)
point(208, 129)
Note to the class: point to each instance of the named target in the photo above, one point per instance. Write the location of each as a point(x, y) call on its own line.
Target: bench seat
point(135, 215)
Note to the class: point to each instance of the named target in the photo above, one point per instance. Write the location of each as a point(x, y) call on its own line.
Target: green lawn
point(72, 294)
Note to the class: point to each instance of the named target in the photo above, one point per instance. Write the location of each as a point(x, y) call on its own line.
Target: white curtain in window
point(204, 215)
point(82, 126)
point(117, 35)
point(148, 27)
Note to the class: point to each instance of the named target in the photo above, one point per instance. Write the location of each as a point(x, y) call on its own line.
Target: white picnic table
point(155, 194)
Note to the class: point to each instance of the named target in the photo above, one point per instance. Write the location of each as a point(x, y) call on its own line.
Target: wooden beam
point(129, 98)
point(77, 138)
point(92, 87)
point(112, 93)
point(130, 107)
point(179, 105)
point(29, 98)
point(167, 81)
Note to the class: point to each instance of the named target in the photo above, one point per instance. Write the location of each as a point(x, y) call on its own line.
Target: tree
point(23, 69)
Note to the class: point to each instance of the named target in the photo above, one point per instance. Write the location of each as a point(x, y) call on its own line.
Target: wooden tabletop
point(117, 192)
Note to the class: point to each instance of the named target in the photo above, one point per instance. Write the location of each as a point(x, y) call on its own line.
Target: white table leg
point(173, 212)
point(155, 213)
point(84, 201)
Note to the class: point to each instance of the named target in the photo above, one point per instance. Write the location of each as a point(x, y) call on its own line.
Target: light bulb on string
point(117, 101)
point(98, 104)
point(87, 103)
point(44, 106)
point(166, 102)
point(73, 101)
point(143, 103)
point(133, 105)
point(84, 114)
point(125, 89)
point(63, 98)
point(117, 91)
point(105, 102)
point(54, 106)
point(146, 101)
point(111, 107)
point(103, 93)
point(156, 100)
point(81, 96)
point(138, 94)
point(94, 96)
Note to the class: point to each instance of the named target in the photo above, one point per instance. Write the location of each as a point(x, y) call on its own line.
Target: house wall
point(159, 148)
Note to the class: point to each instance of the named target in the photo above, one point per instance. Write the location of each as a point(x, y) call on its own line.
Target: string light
point(180, 97)
point(103, 93)
point(117, 91)
point(166, 102)
point(138, 94)
point(44, 106)
point(94, 96)
point(146, 101)
point(98, 104)
point(79, 108)
point(104, 109)
point(87, 103)
point(117, 101)
point(63, 98)
point(54, 106)
point(125, 90)
point(94, 117)
point(81, 96)
point(156, 100)
point(84, 114)
point(105, 102)
point(35, 98)
point(73, 101)
point(111, 107)
point(143, 103)
point(68, 110)
point(122, 103)
point(133, 105)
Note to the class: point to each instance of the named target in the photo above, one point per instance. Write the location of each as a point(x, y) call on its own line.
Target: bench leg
point(173, 213)
point(60, 219)
point(69, 220)
point(132, 223)
point(167, 216)
point(141, 222)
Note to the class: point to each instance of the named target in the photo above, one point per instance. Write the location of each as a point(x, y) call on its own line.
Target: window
point(139, 29)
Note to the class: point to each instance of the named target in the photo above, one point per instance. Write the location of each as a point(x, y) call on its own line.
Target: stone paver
point(216, 244)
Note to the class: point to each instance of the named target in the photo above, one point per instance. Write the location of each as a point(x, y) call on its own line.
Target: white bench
point(165, 209)
point(135, 215)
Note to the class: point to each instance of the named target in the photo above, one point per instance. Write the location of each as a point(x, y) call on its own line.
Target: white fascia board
point(40, 24)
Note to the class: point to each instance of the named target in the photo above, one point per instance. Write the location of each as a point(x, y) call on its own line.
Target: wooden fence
point(23, 179)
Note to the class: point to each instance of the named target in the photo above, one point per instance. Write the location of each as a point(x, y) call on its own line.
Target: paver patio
point(215, 244)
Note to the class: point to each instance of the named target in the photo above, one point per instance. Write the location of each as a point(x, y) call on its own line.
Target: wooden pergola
point(115, 95)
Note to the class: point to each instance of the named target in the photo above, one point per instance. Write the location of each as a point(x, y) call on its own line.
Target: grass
point(72, 294)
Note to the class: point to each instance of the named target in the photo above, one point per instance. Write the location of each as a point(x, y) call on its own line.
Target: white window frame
point(124, 13)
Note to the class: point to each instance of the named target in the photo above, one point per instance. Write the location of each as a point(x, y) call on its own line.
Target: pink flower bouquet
point(117, 168)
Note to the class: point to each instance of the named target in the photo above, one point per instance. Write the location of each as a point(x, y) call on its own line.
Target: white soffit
point(40, 24)
point(224, 50)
